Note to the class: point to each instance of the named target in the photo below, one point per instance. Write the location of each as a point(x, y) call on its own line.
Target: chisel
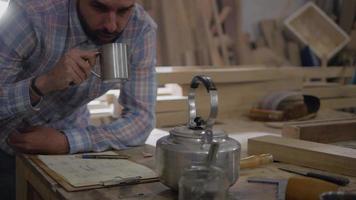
point(330, 178)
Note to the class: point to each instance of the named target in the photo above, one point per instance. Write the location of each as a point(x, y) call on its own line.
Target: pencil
point(91, 156)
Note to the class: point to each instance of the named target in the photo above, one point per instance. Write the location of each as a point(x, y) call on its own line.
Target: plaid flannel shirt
point(34, 35)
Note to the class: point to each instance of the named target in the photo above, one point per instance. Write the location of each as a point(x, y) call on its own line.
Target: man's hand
point(73, 67)
point(40, 140)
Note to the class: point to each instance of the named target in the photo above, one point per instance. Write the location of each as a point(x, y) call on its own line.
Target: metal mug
point(113, 62)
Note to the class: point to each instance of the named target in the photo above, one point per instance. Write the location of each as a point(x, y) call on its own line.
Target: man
point(47, 50)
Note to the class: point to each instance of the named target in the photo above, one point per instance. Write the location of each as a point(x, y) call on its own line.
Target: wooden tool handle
point(255, 161)
point(333, 179)
point(304, 188)
point(266, 115)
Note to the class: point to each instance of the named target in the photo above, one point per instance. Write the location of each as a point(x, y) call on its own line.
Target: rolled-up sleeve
point(138, 98)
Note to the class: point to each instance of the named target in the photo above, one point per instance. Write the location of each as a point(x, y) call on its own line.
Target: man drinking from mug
point(47, 52)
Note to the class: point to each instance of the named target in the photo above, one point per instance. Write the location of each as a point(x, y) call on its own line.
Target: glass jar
point(203, 183)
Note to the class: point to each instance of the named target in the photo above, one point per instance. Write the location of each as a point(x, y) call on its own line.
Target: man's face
point(103, 20)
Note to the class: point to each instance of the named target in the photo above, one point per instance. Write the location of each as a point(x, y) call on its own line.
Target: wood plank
point(237, 99)
point(177, 34)
point(234, 100)
point(21, 184)
point(267, 57)
point(332, 91)
point(322, 131)
point(200, 37)
point(35, 180)
point(171, 103)
point(293, 53)
point(304, 153)
point(168, 119)
point(183, 75)
point(222, 44)
point(347, 14)
point(309, 22)
point(352, 44)
point(238, 74)
point(338, 103)
point(267, 27)
point(240, 46)
point(329, 72)
point(279, 45)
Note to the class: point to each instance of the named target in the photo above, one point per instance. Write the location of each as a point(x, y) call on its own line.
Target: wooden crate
point(315, 29)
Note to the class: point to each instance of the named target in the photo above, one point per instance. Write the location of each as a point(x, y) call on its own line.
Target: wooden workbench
point(33, 182)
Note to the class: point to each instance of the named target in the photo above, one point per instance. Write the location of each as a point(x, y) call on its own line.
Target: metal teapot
point(189, 145)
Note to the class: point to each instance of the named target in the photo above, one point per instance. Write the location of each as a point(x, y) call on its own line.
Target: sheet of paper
point(84, 172)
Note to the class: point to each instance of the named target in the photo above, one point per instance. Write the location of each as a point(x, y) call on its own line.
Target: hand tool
point(255, 161)
point(101, 156)
point(330, 178)
point(305, 188)
point(297, 188)
point(281, 184)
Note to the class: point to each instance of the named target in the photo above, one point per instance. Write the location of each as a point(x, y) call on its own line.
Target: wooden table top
point(156, 190)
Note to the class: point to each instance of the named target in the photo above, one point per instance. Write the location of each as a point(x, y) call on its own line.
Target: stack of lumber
point(241, 88)
point(322, 131)
point(318, 26)
point(195, 32)
point(273, 48)
point(305, 153)
point(208, 32)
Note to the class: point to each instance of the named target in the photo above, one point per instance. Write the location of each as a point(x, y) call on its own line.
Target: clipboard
point(66, 184)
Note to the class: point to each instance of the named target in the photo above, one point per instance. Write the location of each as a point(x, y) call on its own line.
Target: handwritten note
point(86, 172)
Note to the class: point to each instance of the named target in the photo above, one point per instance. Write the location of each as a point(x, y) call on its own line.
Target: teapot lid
point(185, 132)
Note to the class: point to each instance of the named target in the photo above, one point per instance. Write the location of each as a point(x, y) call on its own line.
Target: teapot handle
point(211, 89)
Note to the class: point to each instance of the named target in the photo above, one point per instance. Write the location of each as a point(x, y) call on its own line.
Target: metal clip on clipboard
point(122, 181)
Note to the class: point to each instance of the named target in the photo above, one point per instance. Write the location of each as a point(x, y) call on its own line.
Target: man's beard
point(94, 35)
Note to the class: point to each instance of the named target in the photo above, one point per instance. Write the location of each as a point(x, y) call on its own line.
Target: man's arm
point(17, 42)
point(138, 97)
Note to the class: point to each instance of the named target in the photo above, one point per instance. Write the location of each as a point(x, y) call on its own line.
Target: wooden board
point(267, 57)
point(220, 33)
point(239, 74)
point(347, 14)
point(338, 103)
point(267, 28)
point(235, 99)
point(171, 103)
point(293, 53)
point(331, 91)
point(304, 153)
point(323, 131)
point(175, 27)
point(352, 44)
point(169, 119)
point(315, 29)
